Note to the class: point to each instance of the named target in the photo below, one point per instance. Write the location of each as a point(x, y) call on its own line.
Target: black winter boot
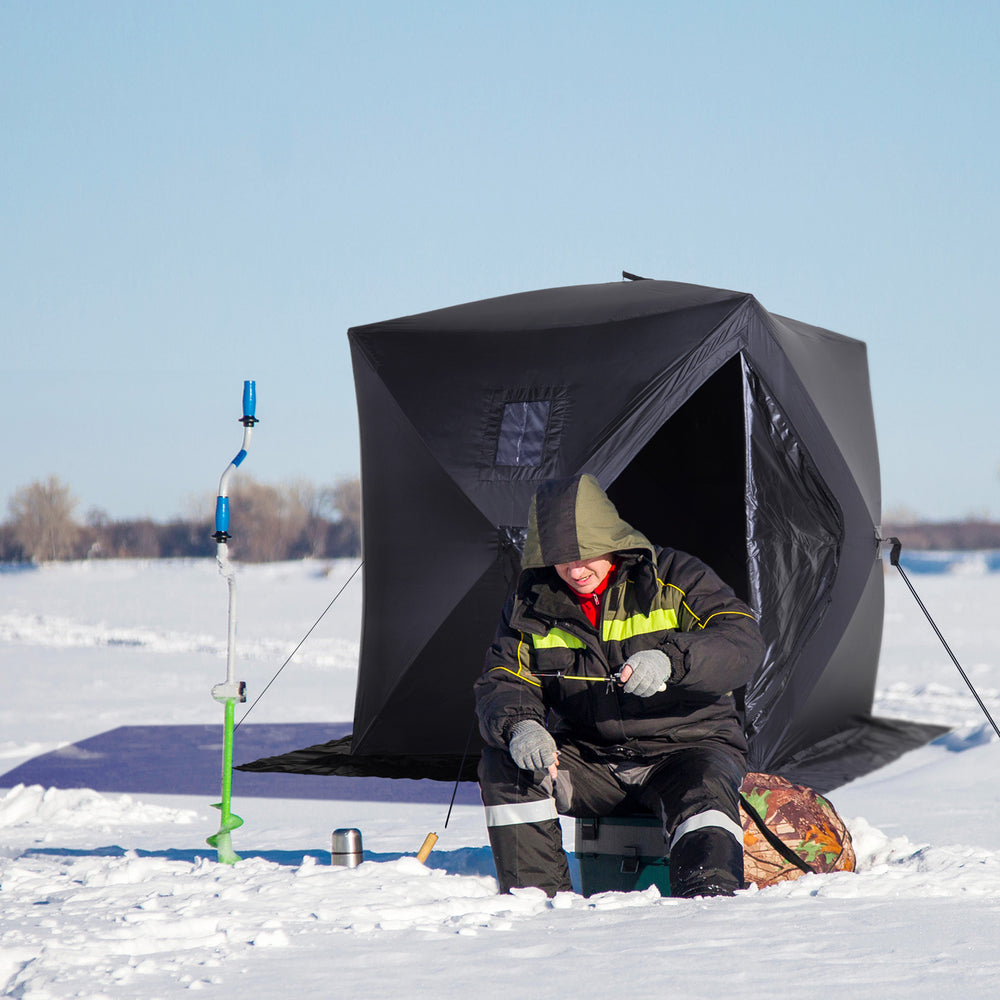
point(706, 862)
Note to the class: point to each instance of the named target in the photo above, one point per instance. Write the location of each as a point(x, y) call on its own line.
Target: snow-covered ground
point(116, 894)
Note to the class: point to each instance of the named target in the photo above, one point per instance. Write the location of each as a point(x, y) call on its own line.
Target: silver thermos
point(346, 848)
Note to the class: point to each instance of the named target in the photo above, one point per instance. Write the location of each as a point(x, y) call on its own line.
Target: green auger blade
point(222, 840)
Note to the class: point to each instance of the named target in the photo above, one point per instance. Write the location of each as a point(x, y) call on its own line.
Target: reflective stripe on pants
point(711, 817)
point(530, 811)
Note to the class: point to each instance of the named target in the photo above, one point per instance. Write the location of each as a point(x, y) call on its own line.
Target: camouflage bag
point(789, 830)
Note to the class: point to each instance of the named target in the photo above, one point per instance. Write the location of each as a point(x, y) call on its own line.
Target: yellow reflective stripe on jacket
point(697, 620)
point(687, 606)
point(522, 669)
point(658, 620)
point(717, 613)
point(524, 675)
point(557, 639)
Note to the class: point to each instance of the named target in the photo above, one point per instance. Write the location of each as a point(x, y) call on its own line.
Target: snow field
point(117, 895)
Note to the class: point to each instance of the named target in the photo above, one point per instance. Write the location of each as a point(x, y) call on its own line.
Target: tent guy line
point(301, 643)
point(897, 548)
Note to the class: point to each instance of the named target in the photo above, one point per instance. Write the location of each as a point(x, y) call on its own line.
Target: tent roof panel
point(548, 308)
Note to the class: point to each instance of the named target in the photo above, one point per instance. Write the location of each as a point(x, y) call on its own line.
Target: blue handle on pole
point(222, 501)
point(222, 514)
point(249, 398)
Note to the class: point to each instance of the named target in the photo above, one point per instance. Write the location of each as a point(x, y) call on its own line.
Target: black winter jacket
point(564, 684)
point(548, 663)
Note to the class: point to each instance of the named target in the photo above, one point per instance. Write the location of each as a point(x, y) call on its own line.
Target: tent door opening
point(686, 487)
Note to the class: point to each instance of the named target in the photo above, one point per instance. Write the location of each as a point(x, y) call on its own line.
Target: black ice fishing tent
point(715, 426)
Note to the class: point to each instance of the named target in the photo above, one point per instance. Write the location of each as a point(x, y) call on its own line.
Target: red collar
point(591, 603)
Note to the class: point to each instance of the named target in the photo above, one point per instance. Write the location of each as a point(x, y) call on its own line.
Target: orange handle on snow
point(425, 848)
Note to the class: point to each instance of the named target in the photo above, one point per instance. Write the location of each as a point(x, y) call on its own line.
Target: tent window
point(521, 431)
point(523, 427)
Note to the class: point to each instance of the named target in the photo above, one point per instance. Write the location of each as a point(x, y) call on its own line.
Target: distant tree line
point(267, 524)
point(969, 535)
point(272, 523)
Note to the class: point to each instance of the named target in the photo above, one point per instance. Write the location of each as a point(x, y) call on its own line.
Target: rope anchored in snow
point(230, 691)
point(288, 659)
point(897, 547)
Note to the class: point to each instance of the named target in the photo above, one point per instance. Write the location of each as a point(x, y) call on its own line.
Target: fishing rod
point(230, 691)
point(609, 681)
point(897, 547)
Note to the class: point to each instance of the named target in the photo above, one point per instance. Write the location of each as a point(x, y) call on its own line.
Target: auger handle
point(248, 420)
point(249, 401)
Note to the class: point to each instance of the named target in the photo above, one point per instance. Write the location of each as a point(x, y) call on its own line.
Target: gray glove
point(531, 746)
point(650, 672)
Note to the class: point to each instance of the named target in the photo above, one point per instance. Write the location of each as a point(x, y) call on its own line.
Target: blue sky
point(198, 193)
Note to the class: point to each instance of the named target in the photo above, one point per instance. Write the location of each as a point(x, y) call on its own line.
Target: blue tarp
point(187, 760)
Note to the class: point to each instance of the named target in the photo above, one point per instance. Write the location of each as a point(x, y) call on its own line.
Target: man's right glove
point(531, 746)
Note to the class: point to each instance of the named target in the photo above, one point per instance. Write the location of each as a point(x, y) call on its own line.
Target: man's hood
point(571, 519)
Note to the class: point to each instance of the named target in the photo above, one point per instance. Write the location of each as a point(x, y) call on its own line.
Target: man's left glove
point(650, 672)
point(531, 746)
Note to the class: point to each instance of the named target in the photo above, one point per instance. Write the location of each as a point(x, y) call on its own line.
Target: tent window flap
point(522, 433)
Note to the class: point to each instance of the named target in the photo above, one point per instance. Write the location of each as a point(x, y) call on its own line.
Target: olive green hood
point(571, 519)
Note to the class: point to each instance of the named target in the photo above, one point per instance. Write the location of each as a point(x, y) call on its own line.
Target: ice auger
point(230, 691)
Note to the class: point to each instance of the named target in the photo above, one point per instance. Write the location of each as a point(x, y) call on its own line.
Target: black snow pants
point(693, 789)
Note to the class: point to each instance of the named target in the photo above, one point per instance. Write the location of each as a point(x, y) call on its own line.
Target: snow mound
point(81, 807)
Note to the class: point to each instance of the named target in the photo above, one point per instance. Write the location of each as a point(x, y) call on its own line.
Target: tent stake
point(231, 690)
point(897, 547)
